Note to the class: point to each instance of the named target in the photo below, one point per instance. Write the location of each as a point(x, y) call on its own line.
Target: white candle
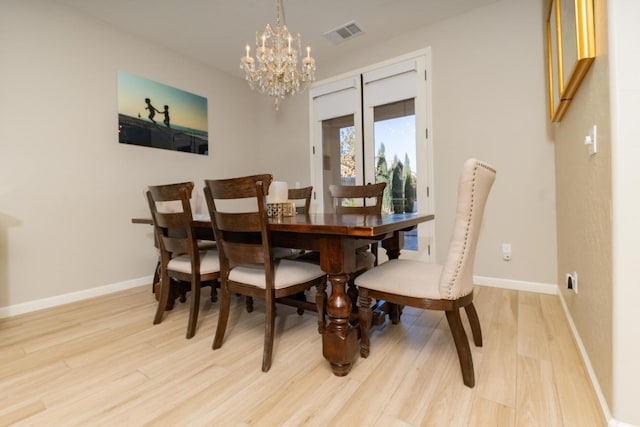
point(278, 192)
point(248, 48)
point(309, 52)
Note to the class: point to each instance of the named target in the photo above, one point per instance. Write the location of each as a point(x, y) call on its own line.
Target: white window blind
point(336, 99)
point(390, 84)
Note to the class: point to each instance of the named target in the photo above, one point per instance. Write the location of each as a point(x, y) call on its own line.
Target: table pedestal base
point(340, 339)
point(340, 349)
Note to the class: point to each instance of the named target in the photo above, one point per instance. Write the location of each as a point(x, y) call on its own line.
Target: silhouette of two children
point(153, 110)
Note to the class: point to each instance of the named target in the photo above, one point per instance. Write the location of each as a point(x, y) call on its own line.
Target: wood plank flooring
point(101, 362)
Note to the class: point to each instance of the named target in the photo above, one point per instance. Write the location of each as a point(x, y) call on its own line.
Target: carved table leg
point(339, 340)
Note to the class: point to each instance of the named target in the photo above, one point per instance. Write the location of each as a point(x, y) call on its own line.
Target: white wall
point(489, 102)
point(68, 189)
point(284, 138)
point(625, 154)
point(583, 203)
point(488, 97)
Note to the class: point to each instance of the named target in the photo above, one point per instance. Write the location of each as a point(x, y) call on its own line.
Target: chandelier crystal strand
point(277, 69)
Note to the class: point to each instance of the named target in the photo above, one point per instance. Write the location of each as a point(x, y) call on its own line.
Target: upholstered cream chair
point(447, 287)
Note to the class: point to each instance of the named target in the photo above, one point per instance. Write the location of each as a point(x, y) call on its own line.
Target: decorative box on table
point(278, 204)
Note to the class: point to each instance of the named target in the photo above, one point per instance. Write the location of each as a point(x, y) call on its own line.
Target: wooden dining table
point(335, 238)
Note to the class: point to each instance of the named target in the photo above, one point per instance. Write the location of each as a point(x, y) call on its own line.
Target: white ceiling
point(216, 31)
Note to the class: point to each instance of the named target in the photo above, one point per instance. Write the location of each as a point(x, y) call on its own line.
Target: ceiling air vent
point(344, 32)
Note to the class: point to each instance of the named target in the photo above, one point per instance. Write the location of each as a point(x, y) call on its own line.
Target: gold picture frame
point(570, 51)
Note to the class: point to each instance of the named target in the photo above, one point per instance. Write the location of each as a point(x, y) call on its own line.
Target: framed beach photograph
point(156, 115)
point(570, 50)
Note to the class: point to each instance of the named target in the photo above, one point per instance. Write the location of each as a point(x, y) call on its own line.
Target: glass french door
point(337, 149)
point(372, 127)
point(338, 154)
point(394, 143)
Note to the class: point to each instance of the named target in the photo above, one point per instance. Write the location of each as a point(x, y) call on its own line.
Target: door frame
point(424, 138)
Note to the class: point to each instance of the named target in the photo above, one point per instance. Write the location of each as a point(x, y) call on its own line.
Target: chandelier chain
point(279, 12)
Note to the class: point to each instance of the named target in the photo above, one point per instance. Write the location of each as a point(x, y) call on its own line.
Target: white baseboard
point(519, 285)
point(27, 307)
point(614, 423)
point(14, 310)
point(553, 289)
point(587, 363)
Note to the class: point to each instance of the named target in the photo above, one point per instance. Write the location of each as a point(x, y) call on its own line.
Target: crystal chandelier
point(275, 70)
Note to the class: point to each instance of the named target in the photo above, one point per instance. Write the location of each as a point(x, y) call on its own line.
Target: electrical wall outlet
point(571, 281)
point(506, 251)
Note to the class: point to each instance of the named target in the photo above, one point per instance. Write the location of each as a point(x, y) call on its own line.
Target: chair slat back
point(475, 183)
point(174, 231)
point(358, 192)
point(304, 193)
point(242, 237)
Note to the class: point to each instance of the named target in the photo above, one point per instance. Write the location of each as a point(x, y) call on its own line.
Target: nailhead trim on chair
point(466, 235)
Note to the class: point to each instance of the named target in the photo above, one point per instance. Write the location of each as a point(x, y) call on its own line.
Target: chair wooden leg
point(395, 311)
point(165, 287)
point(364, 321)
point(321, 305)
point(248, 302)
point(302, 298)
point(472, 315)
point(155, 284)
point(268, 334)
point(352, 293)
point(214, 290)
point(174, 291)
point(462, 346)
point(223, 316)
point(374, 251)
point(195, 308)
point(182, 289)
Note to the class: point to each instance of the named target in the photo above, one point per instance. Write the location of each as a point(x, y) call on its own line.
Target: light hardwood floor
point(101, 362)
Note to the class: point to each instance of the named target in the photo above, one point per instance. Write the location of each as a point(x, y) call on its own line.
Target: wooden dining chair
point(303, 194)
point(180, 289)
point(302, 198)
point(365, 200)
point(181, 259)
point(447, 287)
point(248, 266)
point(346, 198)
